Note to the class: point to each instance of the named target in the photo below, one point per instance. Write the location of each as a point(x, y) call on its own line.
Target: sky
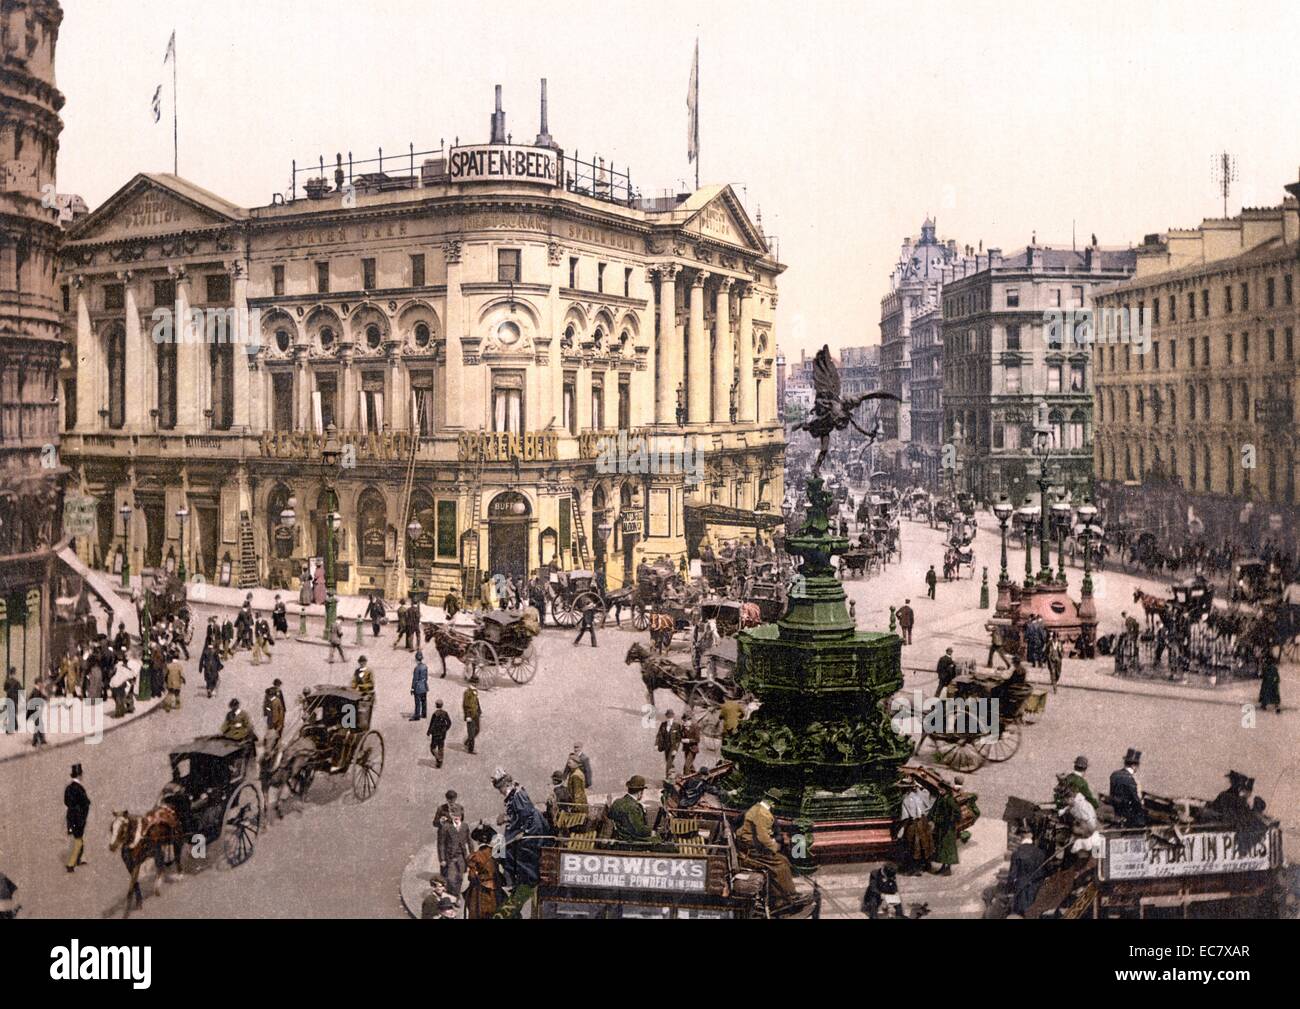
point(845, 123)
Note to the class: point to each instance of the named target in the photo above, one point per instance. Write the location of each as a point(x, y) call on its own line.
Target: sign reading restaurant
point(504, 163)
point(634, 872)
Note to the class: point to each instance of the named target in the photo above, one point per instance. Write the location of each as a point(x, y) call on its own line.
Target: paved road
point(335, 858)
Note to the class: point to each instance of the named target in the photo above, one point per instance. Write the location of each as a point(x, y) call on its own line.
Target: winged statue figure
point(832, 412)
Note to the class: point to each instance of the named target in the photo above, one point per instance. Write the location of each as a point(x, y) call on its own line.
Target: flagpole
point(175, 129)
point(697, 110)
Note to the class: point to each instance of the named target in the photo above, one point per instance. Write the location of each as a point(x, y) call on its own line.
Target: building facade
point(924, 265)
point(1196, 378)
point(1006, 356)
point(31, 475)
point(925, 451)
point(488, 360)
point(859, 370)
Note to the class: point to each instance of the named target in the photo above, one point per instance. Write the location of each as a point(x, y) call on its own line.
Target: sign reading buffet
point(504, 163)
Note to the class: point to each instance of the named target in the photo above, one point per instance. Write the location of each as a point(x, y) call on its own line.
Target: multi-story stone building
point(1006, 355)
point(31, 476)
point(925, 452)
point(924, 265)
point(859, 370)
point(442, 351)
point(1196, 377)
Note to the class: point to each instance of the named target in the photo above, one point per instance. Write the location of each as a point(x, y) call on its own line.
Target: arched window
point(372, 526)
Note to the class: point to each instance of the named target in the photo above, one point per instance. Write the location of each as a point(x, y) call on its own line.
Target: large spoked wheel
point(481, 664)
point(524, 668)
point(958, 753)
point(300, 775)
point(241, 824)
point(564, 612)
point(710, 722)
point(640, 618)
point(586, 599)
point(1003, 746)
point(367, 765)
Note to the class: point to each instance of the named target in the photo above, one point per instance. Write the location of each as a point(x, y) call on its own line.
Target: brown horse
point(1152, 606)
point(662, 626)
point(657, 672)
point(141, 837)
point(447, 642)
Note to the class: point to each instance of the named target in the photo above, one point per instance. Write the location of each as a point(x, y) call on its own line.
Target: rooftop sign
point(504, 163)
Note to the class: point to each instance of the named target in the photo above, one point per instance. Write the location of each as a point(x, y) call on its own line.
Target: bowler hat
point(635, 783)
point(1080, 763)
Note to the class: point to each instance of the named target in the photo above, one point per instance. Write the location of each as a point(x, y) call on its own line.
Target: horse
point(662, 627)
point(447, 642)
point(657, 672)
point(141, 837)
point(1152, 606)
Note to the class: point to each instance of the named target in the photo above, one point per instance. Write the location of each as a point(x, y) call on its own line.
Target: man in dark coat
point(579, 759)
point(931, 579)
point(1270, 685)
point(13, 687)
point(472, 711)
point(628, 815)
point(453, 851)
point(588, 624)
point(947, 670)
point(1024, 878)
point(945, 818)
point(280, 617)
point(906, 620)
point(375, 613)
point(77, 804)
point(420, 687)
point(524, 829)
point(439, 726)
point(668, 740)
point(1126, 792)
point(882, 885)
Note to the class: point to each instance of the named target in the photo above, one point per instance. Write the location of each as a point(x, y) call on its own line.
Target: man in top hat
point(77, 804)
point(1126, 791)
point(906, 620)
point(273, 706)
point(628, 815)
point(1075, 782)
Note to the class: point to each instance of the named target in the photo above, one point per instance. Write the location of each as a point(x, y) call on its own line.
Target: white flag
point(157, 103)
point(171, 47)
point(693, 107)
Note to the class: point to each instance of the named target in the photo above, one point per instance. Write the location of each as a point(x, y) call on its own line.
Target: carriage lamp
point(182, 514)
point(125, 512)
point(414, 529)
point(1061, 516)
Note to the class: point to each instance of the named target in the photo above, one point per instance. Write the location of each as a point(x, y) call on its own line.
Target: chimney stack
point(544, 138)
point(498, 122)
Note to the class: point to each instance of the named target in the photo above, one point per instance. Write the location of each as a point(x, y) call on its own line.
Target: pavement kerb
point(32, 751)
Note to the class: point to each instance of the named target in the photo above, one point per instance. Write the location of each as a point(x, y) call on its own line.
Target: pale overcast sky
point(846, 122)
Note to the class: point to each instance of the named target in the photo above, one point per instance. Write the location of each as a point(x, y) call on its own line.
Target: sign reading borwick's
point(504, 163)
point(634, 872)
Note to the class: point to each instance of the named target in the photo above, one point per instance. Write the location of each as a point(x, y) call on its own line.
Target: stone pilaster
point(697, 382)
point(723, 354)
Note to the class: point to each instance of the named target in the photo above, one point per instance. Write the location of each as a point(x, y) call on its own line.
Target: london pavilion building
point(433, 354)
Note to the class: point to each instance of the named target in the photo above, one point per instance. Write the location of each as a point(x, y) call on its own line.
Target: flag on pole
point(171, 47)
point(693, 107)
point(157, 103)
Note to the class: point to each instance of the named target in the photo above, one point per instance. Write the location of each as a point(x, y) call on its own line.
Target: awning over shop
point(724, 522)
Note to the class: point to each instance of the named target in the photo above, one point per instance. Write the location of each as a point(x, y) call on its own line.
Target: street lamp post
point(330, 456)
point(182, 514)
point(1002, 511)
point(125, 512)
point(1061, 512)
point(288, 519)
point(1087, 607)
point(1027, 515)
point(1043, 450)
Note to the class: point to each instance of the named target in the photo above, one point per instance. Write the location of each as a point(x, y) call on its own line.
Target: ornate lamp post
point(330, 456)
point(1028, 513)
point(1043, 452)
point(413, 531)
point(183, 514)
point(125, 512)
point(1003, 510)
point(1061, 515)
point(1087, 607)
point(289, 519)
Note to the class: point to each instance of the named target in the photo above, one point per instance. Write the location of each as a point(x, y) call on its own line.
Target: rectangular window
point(218, 288)
point(1013, 337)
point(597, 407)
point(1227, 399)
point(1054, 378)
point(1077, 377)
point(566, 524)
point(625, 404)
point(627, 282)
point(367, 274)
point(417, 269)
point(165, 363)
point(1056, 297)
point(1191, 304)
point(221, 365)
point(570, 418)
point(1288, 343)
point(164, 293)
point(1173, 309)
point(325, 407)
point(323, 277)
point(282, 400)
point(422, 402)
point(277, 280)
point(1245, 348)
point(1013, 378)
point(1155, 354)
point(508, 266)
point(1227, 299)
point(1191, 352)
point(1155, 311)
point(1173, 353)
point(600, 277)
point(1077, 295)
point(67, 298)
point(114, 297)
point(1245, 296)
point(1013, 297)
point(371, 407)
point(508, 401)
point(1270, 292)
point(1288, 290)
point(69, 404)
point(1227, 346)
point(446, 537)
point(1272, 345)
point(573, 273)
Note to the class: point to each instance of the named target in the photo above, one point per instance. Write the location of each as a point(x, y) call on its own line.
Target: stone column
point(455, 322)
point(767, 398)
point(347, 414)
point(302, 388)
point(192, 387)
point(697, 381)
point(746, 397)
point(670, 355)
point(90, 366)
point(243, 337)
point(139, 362)
point(724, 367)
point(397, 397)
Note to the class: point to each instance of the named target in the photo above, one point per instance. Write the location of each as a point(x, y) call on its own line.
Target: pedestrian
point(916, 832)
point(947, 670)
point(588, 624)
point(13, 687)
point(525, 827)
point(931, 580)
point(304, 586)
point(227, 639)
point(945, 819)
point(362, 678)
point(575, 783)
point(1024, 879)
point(439, 726)
point(453, 852)
point(560, 801)
point(412, 624)
point(690, 743)
point(210, 666)
point(419, 686)
point(120, 685)
point(175, 680)
point(280, 617)
point(473, 714)
point(485, 880)
point(262, 641)
point(273, 707)
point(451, 604)
point(1270, 685)
point(1055, 658)
point(336, 641)
point(399, 623)
point(77, 805)
point(244, 626)
point(449, 807)
point(268, 766)
point(580, 759)
point(375, 613)
point(853, 610)
point(668, 740)
point(37, 704)
point(906, 620)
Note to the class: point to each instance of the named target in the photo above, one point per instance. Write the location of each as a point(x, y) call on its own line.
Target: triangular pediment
point(151, 205)
point(722, 218)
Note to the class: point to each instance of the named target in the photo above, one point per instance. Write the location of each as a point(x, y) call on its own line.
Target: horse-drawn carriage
point(574, 591)
point(1255, 581)
point(335, 738)
point(500, 640)
point(729, 616)
point(703, 694)
point(970, 733)
point(766, 589)
point(213, 793)
point(165, 598)
point(858, 560)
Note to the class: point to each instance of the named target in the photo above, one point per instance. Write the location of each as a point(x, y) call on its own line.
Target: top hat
point(1133, 757)
point(76, 770)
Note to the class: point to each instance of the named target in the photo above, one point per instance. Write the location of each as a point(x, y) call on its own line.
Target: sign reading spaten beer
point(504, 163)
point(634, 872)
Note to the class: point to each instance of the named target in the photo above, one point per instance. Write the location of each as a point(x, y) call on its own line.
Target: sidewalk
point(72, 721)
